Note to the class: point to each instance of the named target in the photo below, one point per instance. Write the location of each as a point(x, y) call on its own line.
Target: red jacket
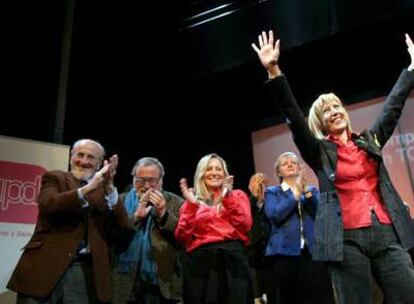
point(203, 224)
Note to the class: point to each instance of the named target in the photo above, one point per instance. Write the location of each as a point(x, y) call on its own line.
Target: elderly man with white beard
point(67, 260)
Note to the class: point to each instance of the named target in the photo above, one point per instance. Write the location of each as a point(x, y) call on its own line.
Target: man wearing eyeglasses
point(149, 270)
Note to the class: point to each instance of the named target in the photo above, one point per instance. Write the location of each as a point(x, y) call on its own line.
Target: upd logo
point(19, 186)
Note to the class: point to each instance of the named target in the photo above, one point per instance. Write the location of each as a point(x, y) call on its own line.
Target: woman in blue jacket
point(291, 209)
point(362, 227)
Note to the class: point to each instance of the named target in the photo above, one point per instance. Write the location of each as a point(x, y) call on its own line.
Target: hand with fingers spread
point(268, 53)
point(328, 125)
point(410, 48)
point(188, 193)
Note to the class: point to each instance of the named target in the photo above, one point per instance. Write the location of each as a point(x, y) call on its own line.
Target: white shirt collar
point(285, 186)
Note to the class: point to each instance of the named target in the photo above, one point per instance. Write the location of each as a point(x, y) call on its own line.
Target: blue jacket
point(281, 209)
point(321, 156)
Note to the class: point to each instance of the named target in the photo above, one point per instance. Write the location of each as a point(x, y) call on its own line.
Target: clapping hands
point(104, 176)
point(227, 185)
point(188, 193)
point(144, 206)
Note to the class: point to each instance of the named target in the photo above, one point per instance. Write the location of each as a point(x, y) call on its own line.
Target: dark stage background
point(193, 61)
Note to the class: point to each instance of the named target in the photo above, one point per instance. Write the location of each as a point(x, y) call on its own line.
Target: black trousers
point(299, 280)
point(218, 274)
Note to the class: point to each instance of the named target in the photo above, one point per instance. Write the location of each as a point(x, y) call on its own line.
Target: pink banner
point(19, 186)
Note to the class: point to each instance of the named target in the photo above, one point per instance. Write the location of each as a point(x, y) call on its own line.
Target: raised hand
point(158, 200)
point(114, 165)
point(188, 193)
point(301, 181)
point(227, 185)
point(302, 185)
point(97, 180)
point(109, 176)
point(144, 208)
point(268, 52)
point(410, 48)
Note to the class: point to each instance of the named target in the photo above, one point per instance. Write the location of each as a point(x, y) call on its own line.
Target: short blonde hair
point(315, 120)
point(199, 186)
point(279, 161)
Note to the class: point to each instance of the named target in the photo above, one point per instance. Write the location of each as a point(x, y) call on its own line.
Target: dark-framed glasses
point(152, 181)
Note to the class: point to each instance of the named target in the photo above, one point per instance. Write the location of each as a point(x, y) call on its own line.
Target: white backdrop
point(22, 164)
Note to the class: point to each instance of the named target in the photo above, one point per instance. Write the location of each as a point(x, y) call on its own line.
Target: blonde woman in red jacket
point(213, 225)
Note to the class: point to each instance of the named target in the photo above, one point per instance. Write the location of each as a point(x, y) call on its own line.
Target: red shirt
point(357, 184)
point(203, 224)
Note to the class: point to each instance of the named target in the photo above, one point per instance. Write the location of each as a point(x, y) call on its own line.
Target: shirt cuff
point(112, 198)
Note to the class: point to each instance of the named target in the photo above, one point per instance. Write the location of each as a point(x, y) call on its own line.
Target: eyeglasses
point(152, 181)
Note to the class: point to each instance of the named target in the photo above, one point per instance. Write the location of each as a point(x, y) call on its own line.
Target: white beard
point(82, 174)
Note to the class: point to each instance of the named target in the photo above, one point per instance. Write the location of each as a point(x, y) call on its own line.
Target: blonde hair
point(279, 161)
point(258, 183)
point(315, 120)
point(199, 185)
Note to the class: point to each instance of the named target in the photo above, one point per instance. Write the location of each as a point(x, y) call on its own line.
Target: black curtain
point(223, 40)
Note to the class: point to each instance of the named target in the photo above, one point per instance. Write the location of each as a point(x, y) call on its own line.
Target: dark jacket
point(59, 230)
point(258, 235)
point(166, 252)
point(321, 155)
